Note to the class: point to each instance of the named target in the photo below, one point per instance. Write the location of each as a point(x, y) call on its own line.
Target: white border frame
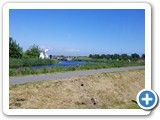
point(8, 6)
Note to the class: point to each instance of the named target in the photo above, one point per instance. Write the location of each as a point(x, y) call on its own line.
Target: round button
point(147, 99)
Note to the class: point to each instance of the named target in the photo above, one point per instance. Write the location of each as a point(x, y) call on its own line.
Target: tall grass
point(25, 62)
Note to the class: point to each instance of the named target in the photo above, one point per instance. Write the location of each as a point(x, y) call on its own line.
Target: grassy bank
point(24, 62)
point(99, 91)
point(95, 65)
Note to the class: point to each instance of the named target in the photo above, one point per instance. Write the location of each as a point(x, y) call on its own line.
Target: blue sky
point(80, 32)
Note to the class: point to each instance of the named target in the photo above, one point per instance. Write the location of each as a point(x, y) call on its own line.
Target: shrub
point(12, 72)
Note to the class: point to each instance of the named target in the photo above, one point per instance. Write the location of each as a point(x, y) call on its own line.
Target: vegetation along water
point(22, 63)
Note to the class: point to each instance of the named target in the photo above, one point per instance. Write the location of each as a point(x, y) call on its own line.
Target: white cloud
point(43, 47)
point(72, 50)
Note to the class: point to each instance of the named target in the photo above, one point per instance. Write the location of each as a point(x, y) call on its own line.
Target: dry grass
point(99, 91)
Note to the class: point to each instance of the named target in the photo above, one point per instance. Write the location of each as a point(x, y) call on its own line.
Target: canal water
point(62, 63)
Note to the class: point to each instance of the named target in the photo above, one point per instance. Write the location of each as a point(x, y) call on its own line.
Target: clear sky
point(80, 32)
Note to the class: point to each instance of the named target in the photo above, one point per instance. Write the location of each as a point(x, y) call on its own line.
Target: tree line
point(15, 51)
point(133, 56)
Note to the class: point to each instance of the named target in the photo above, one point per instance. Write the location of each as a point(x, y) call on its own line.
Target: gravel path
point(25, 79)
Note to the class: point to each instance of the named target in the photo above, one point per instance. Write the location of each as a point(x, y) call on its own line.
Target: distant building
point(69, 58)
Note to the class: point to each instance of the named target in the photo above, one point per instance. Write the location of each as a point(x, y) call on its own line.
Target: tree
point(50, 56)
point(124, 57)
point(96, 56)
point(90, 56)
point(108, 56)
point(135, 56)
point(115, 57)
point(33, 52)
point(103, 56)
point(143, 56)
point(15, 51)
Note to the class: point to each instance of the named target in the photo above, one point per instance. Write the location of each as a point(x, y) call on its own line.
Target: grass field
point(99, 91)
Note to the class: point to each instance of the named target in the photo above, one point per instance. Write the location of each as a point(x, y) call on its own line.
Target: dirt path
point(25, 79)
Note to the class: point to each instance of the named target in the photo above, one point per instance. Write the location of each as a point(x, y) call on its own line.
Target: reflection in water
point(62, 63)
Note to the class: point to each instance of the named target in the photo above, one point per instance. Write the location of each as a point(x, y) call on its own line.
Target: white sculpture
point(43, 54)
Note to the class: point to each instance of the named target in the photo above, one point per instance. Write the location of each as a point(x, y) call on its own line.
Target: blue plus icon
point(147, 99)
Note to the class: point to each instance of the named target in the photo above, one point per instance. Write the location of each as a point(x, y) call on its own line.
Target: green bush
point(72, 68)
point(27, 62)
point(12, 72)
point(44, 70)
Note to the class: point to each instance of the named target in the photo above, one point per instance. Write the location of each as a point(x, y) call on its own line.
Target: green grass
point(131, 106)
point(24, 62)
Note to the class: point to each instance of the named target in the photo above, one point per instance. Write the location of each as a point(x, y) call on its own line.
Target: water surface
point(62, 63)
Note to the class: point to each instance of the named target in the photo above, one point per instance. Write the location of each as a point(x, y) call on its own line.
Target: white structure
point(129, 60)
point(43, 54)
